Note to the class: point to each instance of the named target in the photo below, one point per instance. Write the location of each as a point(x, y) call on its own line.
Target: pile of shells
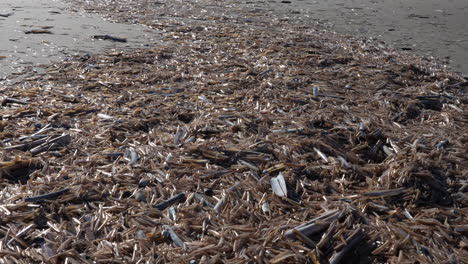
point(235, 144)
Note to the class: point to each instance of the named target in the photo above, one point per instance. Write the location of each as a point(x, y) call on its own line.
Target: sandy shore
point(432, 29)
point(429, 28)
point(47, 31)
point(246, 136)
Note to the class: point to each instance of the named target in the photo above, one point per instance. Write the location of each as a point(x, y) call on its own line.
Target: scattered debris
point(47, 196)
point(109, 37)
point(278, 185)
point(216, 149)
point(38, 31)
point(174, 199)
point(6, 15)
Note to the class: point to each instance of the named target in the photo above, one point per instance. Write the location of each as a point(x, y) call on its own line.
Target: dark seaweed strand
point(174, 199)
point(47, 196)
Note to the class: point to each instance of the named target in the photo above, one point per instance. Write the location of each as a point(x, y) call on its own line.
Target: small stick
point(9, 100)
point(304, 238)
point(385, 193)
point(18, 239)
point(109, 37)
point(327, 235)
point(47, 196)
point(220, 204)
point(62, 140)
point(27, 146)
point(22, 232)
point(313, 226)
point(290, 130)
point(38, 133)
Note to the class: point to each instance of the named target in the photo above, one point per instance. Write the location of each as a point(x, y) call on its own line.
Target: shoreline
point(248, 13)
point(44, 32)
point(353, 19)
point(429, 28)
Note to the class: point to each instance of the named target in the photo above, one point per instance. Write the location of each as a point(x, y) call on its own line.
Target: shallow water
point(72, 34)
point(431, 28)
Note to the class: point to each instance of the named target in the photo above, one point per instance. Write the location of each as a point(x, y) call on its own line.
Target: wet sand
point(429, 28)
point(71, 33)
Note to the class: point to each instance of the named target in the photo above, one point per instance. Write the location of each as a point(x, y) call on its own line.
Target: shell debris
point(211, 147)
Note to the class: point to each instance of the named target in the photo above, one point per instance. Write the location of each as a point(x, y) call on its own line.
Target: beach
point(427, 28)
point(230, 132)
